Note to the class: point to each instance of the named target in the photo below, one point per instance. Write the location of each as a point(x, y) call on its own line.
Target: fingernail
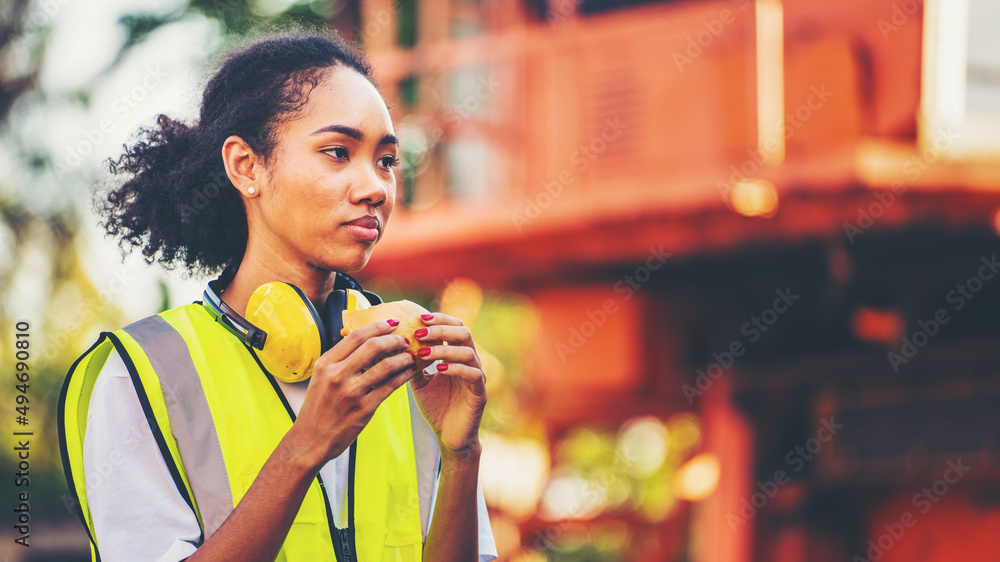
point(392, 322)
point(424, 351)
point(427, 317)
point(442, 366)
point(407, 340)
point(419, 333)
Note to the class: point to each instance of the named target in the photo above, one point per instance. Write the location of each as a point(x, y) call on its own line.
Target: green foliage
point(139, 26)
point(45, 251)
point(406, 33)
point(506, 326)
point(13, 84)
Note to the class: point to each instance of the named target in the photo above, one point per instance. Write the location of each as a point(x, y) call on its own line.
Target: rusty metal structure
point(754, 210)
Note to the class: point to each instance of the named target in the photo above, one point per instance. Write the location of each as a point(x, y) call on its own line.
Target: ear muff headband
point(230, 319)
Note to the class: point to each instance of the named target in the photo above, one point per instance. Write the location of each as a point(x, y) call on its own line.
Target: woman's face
point(328, 189)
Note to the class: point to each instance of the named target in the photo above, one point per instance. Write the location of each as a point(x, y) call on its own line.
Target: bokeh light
point(685, 432)
point(642, 445)
point(462, 298)
point(571, 496)
point(877, 325)
point(503, 457)
point(754, 198)
point(697, 478)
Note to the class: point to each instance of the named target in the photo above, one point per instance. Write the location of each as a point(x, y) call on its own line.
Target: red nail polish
point(393, 322)
point(420, 333)
point(442, 367)
point(407, 340)
point(424, 351)
point(427, 317)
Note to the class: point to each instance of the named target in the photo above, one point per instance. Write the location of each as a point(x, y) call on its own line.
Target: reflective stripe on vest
point(222, 419)
point(190, 418)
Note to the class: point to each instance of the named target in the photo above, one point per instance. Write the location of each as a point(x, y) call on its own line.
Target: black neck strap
point(338, 536)
point(225, 315)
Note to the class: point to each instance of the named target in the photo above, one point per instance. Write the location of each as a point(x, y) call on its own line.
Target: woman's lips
point(364, 228)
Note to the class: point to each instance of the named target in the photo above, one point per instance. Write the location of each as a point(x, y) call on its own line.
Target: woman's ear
point(242, 166)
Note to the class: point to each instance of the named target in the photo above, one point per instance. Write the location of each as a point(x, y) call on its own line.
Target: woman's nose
point(368, 187)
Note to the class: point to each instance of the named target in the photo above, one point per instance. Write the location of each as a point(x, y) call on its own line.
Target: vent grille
point(909, 434)
point(611, 113)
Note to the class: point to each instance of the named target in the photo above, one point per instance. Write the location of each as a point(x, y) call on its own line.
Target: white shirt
point(138, 513)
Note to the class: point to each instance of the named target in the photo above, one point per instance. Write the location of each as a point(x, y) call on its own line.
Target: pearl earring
point(252, 190)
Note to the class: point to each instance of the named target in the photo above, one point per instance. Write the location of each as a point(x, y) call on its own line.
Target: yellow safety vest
point(217, 416)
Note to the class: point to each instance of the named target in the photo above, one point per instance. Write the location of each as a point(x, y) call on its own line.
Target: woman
point(177, 441)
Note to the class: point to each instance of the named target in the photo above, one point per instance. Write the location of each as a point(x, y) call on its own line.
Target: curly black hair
point(176, 201)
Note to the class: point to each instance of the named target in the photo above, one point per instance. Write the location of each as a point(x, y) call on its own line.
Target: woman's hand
point(349, 382)
point(453, 398)
point(342, 396)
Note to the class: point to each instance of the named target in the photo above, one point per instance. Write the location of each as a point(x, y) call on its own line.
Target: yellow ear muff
point(294, 340)
point(356, 301)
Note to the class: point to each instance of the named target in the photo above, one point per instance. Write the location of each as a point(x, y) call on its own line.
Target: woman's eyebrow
point(355, 134)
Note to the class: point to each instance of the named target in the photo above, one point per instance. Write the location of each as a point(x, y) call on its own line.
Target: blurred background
point(730, 264)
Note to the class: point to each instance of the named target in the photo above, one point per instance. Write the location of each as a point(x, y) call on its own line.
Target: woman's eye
point(389, 161)
point(337, 152)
